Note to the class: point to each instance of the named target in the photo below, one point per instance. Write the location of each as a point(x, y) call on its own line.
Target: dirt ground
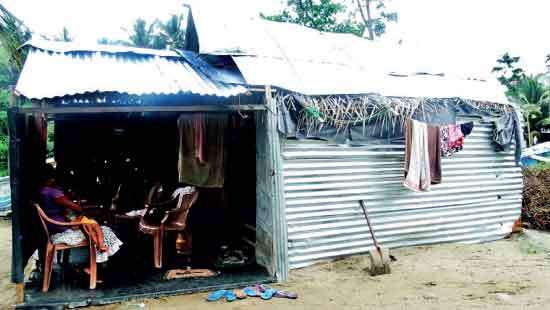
point(507, 274)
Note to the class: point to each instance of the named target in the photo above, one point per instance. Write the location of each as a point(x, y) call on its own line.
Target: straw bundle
point(536, 198)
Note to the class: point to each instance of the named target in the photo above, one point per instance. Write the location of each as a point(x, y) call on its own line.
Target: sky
point(464, 34)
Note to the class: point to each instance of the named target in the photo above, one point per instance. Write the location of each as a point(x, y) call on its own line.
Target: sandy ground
point(507, 274)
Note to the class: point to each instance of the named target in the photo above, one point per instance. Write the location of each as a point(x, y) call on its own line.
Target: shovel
point(380, 257)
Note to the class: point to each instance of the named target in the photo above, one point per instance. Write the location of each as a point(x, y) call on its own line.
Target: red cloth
point(199, 137)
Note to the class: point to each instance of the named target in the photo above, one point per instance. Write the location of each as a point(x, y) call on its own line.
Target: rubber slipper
point(251, 292)
point(240, 294)
point(230, 296)
point(216, 295)
point(262, 288)
point(268, 294)
point(285, 294)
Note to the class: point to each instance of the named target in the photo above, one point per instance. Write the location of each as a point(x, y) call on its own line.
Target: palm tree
point(143, 35)
point(64, 36)
point(173, 31)
point(13, 34)
point(534, 99)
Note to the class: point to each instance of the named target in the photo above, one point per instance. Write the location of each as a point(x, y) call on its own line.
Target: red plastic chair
point(173, 220)
point(52, 248)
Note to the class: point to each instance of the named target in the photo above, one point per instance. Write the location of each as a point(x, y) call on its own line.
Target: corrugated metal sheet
point(479, 199)
point(50, 74)
point(74, 47)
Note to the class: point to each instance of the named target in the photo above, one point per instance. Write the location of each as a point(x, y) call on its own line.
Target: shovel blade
point(379, 262)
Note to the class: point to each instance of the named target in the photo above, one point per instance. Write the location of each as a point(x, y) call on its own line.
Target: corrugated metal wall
point(479, 199)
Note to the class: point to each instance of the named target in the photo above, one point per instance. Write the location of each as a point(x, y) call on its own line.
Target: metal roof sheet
point(55, 69)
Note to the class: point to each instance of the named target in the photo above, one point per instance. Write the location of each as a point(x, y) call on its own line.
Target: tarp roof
point(58, 69)
point(311, 62)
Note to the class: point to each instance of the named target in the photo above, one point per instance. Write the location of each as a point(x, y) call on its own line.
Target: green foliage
point(64, 36)
point(143, 35)
point(12, 35)
point(157, 35)
point(173, 32)
point(527, 90)
point(4, 142)
point(322, 15)
point(508, 72)
point(376, 26)
point(540, 166)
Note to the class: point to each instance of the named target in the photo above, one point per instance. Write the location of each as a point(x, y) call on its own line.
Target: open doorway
point(110, 164)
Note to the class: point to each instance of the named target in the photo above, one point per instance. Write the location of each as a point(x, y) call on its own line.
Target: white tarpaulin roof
point(316, 63)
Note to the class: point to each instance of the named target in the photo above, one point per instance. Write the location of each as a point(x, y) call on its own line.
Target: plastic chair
point(52, 248)
point(174, 219)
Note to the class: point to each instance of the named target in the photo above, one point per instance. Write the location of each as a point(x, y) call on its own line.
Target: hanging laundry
point(467, 128)
point(452, 139)
point(198, 120)
point(508, 132)
point(434, 152)
point(417, 159)
point(211, 171)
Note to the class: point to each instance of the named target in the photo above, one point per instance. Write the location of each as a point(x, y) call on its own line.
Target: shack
point(118, 115)
point(313, 127)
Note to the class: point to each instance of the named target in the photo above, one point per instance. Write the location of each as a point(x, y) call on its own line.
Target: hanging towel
point(434, 151)
point(211, 171)
point(198, 119)
point(417, 161)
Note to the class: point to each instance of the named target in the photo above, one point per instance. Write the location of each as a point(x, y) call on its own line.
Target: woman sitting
point(59, 207)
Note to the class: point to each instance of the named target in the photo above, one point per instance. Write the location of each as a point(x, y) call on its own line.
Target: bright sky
point(459, 32)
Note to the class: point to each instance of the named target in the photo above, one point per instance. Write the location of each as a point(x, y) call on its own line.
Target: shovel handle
point(364, 207)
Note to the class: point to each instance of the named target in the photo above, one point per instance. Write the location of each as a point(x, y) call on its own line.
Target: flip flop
point(216, 295)
point(262, 287)
point(285, 294)
point(240, 294)
point(268, 294)
point(251, 292)
point(230, 296)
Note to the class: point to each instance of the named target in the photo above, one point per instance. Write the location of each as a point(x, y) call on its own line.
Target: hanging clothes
point(417, 159)
point(198, 120)
point(210, 171)
point(508, 132)
point(434, 153)
point(452, 139)
point(467, 128)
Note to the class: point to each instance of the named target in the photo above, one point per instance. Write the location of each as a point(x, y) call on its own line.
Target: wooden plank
point(138, 109)
point(20, 293)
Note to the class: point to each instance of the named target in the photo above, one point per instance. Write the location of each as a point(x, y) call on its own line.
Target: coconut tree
point(534, 100)
point(173, 31)
point(144, 35)
point(13, 34)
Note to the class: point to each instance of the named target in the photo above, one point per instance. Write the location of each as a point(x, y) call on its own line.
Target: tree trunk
point(369, 20)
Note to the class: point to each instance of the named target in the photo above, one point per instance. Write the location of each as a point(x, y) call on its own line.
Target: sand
point(507, 274)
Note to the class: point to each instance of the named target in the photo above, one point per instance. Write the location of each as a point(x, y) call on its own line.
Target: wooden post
point(276, 183)
point(20, 292)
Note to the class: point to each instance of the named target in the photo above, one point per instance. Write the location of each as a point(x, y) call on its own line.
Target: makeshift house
point(311, 128)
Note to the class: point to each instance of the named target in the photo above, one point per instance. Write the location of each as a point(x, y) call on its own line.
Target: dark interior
point(95, 154)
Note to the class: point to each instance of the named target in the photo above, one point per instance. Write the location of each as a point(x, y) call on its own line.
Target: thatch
point(387, 113)
point(536, 198)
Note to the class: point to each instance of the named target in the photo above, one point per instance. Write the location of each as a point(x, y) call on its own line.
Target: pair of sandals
point(263, 291)
point(229, 295)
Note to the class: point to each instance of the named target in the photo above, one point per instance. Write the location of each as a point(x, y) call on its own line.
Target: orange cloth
point(92, 228)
